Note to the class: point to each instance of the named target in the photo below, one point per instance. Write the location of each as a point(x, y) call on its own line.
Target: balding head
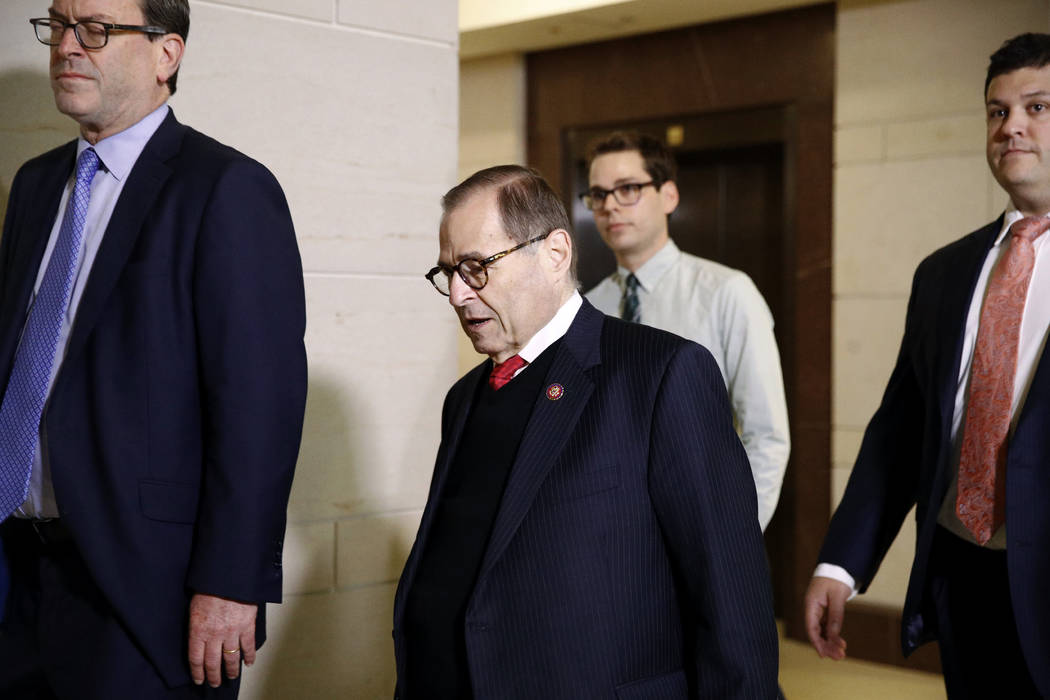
point(506, 258)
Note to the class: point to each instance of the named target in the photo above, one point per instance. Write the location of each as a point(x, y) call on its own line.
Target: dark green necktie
point(629, 303)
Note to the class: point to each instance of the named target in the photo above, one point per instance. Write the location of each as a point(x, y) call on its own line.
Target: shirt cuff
point(839, 574)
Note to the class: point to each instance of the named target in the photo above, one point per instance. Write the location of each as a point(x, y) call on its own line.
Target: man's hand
point(218, 627)
point(824, 609)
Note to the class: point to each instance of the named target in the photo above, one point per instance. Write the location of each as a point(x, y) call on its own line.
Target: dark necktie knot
point(629, 304)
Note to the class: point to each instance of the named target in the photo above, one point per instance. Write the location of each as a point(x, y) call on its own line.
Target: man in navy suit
point(962, 430)
point(149, 498)
point(591, 528)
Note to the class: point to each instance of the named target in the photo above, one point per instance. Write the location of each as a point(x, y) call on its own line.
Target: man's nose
point(69, 44)
point(459, 292)
point(1014, 123)
point(604, 204)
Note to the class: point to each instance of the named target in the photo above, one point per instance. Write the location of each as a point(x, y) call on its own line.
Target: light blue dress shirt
point(721, 309)
point(118, 154)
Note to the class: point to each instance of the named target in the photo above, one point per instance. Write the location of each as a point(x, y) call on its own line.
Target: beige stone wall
point(491, 112)
point(910, 176)
point(353, 107)
point(491, 129)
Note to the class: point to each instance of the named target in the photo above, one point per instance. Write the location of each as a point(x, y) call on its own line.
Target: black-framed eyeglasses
point(626, 194)
point(90, 33)
point(473, 272)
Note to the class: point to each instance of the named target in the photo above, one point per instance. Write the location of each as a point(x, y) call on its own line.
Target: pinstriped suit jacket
point(625, 560)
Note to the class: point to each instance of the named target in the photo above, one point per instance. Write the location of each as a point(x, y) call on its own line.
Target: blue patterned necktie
point(629, 303)
point(28, 385)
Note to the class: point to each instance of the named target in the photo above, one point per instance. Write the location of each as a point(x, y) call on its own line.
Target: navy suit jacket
point(906, 459)
point(173, 426)
point(625, 559)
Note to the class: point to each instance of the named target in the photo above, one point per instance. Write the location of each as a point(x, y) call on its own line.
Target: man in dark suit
point(154, 378)
point(962, 429)
point(591, 528)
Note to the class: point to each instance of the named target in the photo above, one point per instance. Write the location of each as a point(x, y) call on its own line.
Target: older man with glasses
point(591, 530)
point(153, 381)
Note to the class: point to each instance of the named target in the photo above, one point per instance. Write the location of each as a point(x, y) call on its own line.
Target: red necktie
point(981, 503)
point(504, 372)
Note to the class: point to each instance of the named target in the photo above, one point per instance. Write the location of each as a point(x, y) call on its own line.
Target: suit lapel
point(549, 428)
point(144, 184)
point(457, 422)
point(1031, 423)
point(958, 285)
point(1036, 406)
point(28, 247)
point(459, 410)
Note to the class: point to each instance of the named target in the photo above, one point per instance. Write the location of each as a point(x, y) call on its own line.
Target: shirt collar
point(1011, 217)
point(119, 152)
point(554, 330)
point(654, 268)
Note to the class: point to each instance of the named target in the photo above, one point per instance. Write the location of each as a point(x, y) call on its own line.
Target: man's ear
point(169, 56)
point(669, 196)
point(559, 250)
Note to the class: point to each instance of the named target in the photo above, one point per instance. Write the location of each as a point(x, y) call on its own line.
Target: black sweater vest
point(466, 510)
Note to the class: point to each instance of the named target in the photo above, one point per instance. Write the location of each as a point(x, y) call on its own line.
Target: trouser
point(980, 651)
point(61, 639)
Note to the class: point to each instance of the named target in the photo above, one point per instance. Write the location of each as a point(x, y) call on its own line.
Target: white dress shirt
point(1034, 324)
point(117, 155)
point(552, 332)
point(721, 309)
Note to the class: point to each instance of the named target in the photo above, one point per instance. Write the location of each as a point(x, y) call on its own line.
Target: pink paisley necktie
point(981, 503)
point(504, 371)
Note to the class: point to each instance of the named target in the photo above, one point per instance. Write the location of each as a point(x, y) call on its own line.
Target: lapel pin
point(555, 392)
